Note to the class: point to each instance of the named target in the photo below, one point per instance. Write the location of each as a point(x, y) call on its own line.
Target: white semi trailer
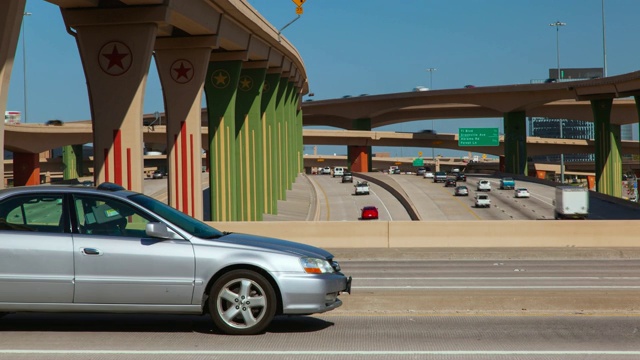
point(572, 202)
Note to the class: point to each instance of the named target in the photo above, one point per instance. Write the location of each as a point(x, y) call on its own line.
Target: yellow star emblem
point(220, 79)
point(246, 83)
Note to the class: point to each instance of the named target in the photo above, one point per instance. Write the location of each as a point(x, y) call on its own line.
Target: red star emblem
point(115, 58)
point(181, 71)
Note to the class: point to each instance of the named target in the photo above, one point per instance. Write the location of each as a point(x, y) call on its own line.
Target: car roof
point(104, 188)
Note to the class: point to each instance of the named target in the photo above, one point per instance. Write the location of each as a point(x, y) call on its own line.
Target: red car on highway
point(369, 213)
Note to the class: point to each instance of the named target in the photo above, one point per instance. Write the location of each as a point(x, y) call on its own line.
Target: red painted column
point(359, 158)
point(26, 169)
point(182, 66)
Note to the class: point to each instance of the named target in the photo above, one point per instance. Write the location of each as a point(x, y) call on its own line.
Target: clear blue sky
point(372, 47)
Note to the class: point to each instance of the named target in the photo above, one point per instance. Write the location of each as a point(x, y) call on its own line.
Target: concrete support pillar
point(116, 59)
point(270, 141)
point(515, 142)
point(637, 100)
point(299, 137)
point(220, 87)
point(11, 16)
point(249, 141)
point(289, 135)
point(281, 137)
point(608, 155)
point(26, 169)
point(182, 66)
point(360, 157)
point(72, 161)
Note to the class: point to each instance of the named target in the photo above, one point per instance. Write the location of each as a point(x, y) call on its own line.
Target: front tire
point(242, 302)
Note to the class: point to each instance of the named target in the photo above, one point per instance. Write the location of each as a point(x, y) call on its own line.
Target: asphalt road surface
point(338, 201)
point(565, 304)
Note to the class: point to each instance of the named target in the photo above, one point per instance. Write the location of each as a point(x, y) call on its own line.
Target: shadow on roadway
point(144, 323)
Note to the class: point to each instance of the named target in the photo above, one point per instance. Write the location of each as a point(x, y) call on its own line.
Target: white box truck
point(572, 202)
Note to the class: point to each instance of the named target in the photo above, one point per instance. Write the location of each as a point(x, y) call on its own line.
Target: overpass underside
point(252, 77)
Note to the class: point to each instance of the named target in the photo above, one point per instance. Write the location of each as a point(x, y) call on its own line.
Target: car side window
point(109, 217)
point(38, 212)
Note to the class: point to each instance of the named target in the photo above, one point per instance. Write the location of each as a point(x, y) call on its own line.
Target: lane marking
point(326, 200)
point(555, 287)
point(324, 352)
point(383, 205)
point(506, 278)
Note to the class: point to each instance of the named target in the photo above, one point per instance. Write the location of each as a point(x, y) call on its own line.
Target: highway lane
point(409, 336)
point(338, 201)
point(480, 308)
point(436, 202)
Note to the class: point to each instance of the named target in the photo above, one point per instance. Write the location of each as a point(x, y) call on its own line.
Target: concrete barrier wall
point(402, 234)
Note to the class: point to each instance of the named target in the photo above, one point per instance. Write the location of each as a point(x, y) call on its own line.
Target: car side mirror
point(158, 230)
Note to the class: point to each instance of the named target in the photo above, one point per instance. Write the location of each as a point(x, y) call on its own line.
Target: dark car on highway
point(450, 182)
point(461, 177)
point(347, 177)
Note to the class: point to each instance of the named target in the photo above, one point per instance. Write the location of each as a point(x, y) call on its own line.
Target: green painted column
point(295, 140)
point(249, 143)
point(637, 100)
point(360, 124)
point(515, 142)
point(608, 155)
point(72, 161)
point(289, 136)
point(281, 141)
point(269, 138)
point(220, 88)
point(300, 138)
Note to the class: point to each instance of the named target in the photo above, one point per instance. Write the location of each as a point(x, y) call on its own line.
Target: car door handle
point(91, 251)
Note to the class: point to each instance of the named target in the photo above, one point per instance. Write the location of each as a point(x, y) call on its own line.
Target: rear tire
point(242, 302)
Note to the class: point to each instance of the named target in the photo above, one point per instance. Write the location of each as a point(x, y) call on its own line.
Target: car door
point(116, 263)
point(36, 253)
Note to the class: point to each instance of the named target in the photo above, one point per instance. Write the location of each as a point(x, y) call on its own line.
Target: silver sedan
point(105, 249)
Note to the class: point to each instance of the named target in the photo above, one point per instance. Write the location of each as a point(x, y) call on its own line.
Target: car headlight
point(315, 266)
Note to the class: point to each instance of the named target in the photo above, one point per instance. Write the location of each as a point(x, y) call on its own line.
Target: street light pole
point(24, 65)
point(431, 70)
point(604, 44)
point(557, 24)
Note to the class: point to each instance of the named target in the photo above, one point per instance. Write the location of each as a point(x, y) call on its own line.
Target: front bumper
point(311, 294)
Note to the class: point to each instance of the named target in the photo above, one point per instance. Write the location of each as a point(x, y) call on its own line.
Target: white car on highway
point(428, 175)
point(484, 185)
point(522, 193)
point(362, 188)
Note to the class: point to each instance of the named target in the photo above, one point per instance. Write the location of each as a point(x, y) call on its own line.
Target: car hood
point(273, 244)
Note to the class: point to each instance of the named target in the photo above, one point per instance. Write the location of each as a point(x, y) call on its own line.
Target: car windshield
point(177, 218)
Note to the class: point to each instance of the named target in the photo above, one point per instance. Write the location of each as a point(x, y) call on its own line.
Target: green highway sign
point(418, 162)
point(478, 137)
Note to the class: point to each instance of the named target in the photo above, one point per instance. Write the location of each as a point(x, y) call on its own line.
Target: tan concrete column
point(182, 66)
point(116, 59)
point(11, 14)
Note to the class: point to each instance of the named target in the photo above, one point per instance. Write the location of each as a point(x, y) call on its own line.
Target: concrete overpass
point(253, 78)
point(511, 102)
point(215, 44)
point(37, 138)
